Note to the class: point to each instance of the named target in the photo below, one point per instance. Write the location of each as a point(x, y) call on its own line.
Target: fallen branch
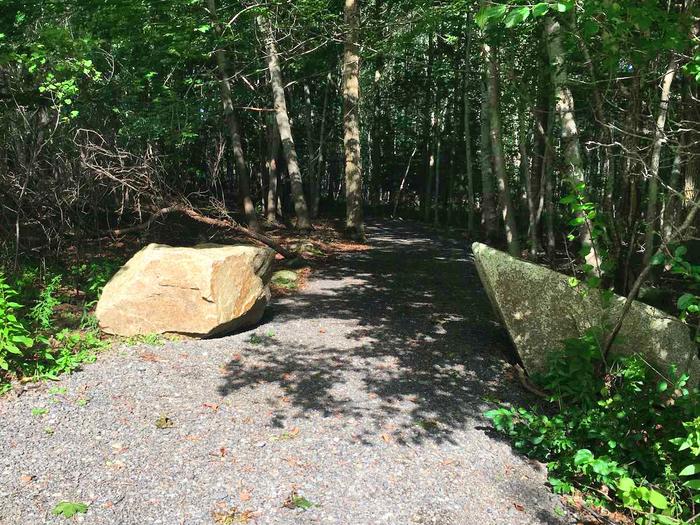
point(689, 220)
point(527, 384)
point(225, 224)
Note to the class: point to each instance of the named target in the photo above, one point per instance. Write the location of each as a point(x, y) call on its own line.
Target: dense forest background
point(480, 116)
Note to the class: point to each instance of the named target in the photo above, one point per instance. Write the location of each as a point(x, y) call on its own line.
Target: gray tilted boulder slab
point(540, 309)
point(197, 291)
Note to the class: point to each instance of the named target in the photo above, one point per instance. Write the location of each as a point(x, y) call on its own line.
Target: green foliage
point(93, 276)
point(28, 348)
point(39, 411)
point(627, 431)
point(14, 336)
point(43, 310)
point(146, 339)
point(68, 509)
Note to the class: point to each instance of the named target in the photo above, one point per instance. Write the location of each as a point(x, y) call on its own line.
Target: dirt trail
point(363, 394)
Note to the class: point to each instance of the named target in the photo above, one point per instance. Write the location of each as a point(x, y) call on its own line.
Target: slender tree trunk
point(526, 175)
point(548, 183)
point(489, 217)
point(471, 210)
point(438, 157)
point(397, 199)
point(669, 210)
point(499, 163)
point(354, 221)
point(233, 126)
point(273, 146)
point(564, 106)
point(320, 162)
point(309, 117)
point(659, 139)
point(285, 129)
point(430, 132)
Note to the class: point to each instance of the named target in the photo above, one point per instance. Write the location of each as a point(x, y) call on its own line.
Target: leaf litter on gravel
point(295, 501)
point(232, 515)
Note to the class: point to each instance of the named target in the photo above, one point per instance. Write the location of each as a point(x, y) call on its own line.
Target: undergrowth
point(627, 438)
point(46, 322)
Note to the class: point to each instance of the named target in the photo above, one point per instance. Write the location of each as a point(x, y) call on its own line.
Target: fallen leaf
point(149, 356)
point(519, 506)
point(386, 438)
point(231, 516)
point(164, 422)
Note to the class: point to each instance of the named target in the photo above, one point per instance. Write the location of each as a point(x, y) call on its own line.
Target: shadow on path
point(401, 331)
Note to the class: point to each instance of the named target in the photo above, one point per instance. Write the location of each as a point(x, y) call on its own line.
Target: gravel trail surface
point(361, 397)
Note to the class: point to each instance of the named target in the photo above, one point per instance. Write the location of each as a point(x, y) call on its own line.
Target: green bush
point(627, 432)
point(14, 336)
point(29, 346)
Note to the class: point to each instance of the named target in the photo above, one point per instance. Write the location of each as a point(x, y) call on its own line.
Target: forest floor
point(358, 400)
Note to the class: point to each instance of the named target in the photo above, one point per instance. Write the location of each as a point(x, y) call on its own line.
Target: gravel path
point(364, 394)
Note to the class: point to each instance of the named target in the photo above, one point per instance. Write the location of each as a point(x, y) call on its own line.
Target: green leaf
point(658, 500)
point(583, 456)
point(517, 16)
point(625, 484)
point(658, 259)
point(685, 300)
point(484, 16)
point(692, 484)
point(690, 470)
point(68, 509)
point(540, 9)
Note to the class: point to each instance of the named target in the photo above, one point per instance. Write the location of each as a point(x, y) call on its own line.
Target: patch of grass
point(39, 411)
point(146, 339)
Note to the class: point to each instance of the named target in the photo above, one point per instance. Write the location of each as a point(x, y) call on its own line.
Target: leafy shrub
point(93, 277)
point(14, 336)
point(627, 433)
point(43, 310)
point(28, 346)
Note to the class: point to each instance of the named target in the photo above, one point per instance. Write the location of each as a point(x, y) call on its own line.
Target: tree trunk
point(273, 147)
point(320, 159)
point(233, 126)
point(354, 221)
point(564, 107)
point(310, 179)
point(499, 163)
point(285, 129)
point(659, 139)
point(489, 217)
point(471, 210)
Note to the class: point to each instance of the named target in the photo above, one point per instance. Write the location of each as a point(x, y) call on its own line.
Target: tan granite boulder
point(540, 309)
point(199, 291)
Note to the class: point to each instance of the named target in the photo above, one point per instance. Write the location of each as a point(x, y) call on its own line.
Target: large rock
point(540, 309)
point(201, 291)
